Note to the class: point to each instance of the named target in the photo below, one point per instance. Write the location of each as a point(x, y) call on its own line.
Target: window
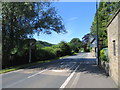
point(114, 48)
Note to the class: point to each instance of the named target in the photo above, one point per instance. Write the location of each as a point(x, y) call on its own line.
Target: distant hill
point(43, 43)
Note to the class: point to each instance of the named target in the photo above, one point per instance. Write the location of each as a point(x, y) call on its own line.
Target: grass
point(24, 66)
point(75, 53)
point(29, 65)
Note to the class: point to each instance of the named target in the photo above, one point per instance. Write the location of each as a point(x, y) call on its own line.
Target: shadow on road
point(87, 65)
point(91, 69)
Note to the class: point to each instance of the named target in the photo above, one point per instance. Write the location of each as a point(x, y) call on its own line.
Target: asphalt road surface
point(78, 71)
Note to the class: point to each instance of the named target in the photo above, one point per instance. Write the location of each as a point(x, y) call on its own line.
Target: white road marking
point(71, 67)
point(74, 83)
point(58, 70)
point(21, 69)
point(61, 62)
point(69, 78)
point(37, 73)
point(25, 78)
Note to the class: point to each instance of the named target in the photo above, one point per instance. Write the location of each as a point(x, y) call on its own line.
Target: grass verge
point(28, 65)
point(24, 66)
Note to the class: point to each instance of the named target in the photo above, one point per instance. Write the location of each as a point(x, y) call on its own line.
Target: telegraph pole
point(98, 60)
point(29, 52)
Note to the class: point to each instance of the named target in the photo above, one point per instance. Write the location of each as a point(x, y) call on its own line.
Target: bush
point(75, 44)
point(58, 52)
point(45, 53)
point(49, 52)
point(104, 56)
point(55, 51)
point(64, 48)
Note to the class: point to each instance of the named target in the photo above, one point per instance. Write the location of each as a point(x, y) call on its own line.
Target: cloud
point(72, 18)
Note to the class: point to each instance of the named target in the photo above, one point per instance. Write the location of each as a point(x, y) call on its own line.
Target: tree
point(23, 19)
point(75, 44)
point(106, 11)
point(64, 48)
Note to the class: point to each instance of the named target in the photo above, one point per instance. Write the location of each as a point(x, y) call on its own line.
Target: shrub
point(103, 56)
point(75, 44)
point(64, 48)
point(58, 52)
point(52, 52)
point(45, 53)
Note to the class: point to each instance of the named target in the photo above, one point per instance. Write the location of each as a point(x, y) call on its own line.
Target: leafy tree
point(106, 11)
point(65, 48)
point(20, 20)
point(57, 50)
point(75, 44)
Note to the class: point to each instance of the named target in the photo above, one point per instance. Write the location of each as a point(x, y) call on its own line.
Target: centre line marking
point(26, 78)
point(74, 83)
point(71, 67)
point(69, 78)
point(37, 73)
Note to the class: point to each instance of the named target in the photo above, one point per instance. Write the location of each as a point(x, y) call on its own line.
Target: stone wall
point(119, 50)
point(114, 47)
point(93, 52)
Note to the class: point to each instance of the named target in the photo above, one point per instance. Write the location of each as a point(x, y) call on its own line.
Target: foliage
point(75, 44)
point(105, 11)
point(81, 49)
point(57, 50)
point(52, 52)
point(65, 48)
point(20, 20)
point(45, 53)
point(103, 56)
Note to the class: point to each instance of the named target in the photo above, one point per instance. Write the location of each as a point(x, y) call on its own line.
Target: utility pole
point(98, 60)
point(32, 44)
point(29, 52)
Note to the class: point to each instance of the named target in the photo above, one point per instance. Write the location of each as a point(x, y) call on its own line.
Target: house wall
point(114, 48)
point(119, 50)
point(93, 52)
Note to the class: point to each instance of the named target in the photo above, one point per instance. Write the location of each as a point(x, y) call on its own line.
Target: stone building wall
point(93, 52)
point(114, 47)
point(119, 50)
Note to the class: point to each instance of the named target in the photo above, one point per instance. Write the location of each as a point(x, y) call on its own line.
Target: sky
point(77, 18)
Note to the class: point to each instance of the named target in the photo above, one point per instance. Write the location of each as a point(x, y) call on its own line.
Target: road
point(78, 71)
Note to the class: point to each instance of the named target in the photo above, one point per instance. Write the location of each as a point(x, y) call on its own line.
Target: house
point(113, 30)
point(93, 44)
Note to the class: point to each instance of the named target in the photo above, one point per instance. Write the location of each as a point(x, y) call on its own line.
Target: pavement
point(77, 71)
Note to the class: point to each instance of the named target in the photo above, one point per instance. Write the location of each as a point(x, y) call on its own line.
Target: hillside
point(43, 43)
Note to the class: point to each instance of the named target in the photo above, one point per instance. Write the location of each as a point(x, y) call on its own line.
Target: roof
point(114, 17)
point(93, 40)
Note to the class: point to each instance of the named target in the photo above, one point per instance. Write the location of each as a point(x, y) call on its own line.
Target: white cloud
point(72, 18)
